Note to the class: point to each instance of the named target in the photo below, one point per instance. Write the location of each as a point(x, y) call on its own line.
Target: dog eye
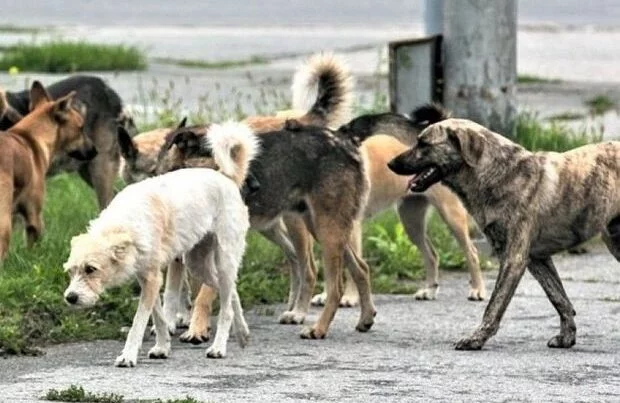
point(89, 269)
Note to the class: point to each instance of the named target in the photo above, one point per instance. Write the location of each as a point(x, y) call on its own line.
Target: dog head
point(442, 150)
point(97, 262)
point(228, 148)
point(140, 153)
point(61, 119)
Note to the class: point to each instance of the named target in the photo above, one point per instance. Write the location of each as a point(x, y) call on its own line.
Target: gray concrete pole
point(433, 17)
point(480, 61)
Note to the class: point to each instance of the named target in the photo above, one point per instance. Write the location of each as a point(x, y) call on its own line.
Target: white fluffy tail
point(325, 79)
point(234, 146)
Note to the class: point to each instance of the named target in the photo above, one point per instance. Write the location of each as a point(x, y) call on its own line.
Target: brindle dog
point(529, 205)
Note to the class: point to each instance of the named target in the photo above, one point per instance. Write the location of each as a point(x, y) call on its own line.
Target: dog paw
point(562, 341)
point(349, 301)
point(183, 320)
point(477, 294)
point(319, 299)
point(194, 337)
point(243, 337)
point(292, 318)
point(158, 352)
point(469, 343)
point(215, 352)
point(312, 333)
point(124, 361)
point(426, 294)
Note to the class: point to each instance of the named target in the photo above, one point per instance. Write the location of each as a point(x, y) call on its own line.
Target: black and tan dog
point(331, 107)
point(306, 172)
point(103, 111)
point(529, 205)
point(26, 151)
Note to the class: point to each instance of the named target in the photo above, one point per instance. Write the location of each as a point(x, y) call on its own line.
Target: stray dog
point(331, 107)
point(195, 213)
point(383, 137)
point(26, 150)
point(309, 173)
point(529, 205)
point(103, 111)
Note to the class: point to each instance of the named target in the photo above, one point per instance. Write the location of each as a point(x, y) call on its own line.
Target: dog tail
point(330, 79)
point(234, 145)
point(426, 115)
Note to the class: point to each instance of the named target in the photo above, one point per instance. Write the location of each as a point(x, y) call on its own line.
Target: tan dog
point(26, 151)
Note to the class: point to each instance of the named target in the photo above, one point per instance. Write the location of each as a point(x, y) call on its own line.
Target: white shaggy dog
point(196, 213)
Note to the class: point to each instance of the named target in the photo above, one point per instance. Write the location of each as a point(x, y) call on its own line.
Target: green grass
point(565, 116)
point(205, 64)
point(17, 29)
point(61, 56)
point(532, 134)
point(78, 394)
point(531, 79)
point(600, 104)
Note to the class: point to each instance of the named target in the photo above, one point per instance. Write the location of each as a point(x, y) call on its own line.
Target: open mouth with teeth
point(423, 180)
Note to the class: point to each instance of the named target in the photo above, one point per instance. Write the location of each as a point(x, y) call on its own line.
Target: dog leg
point(455, 215)
point(512, 269)
point(351, 294)
point(199, 330)
point(103, 169)
point(6, 218)
point(172, 292)
point(360, 274)
point(240, 326)
point(278, 235)
point(302, 242)
point(33, 216)
point(412, 212)
point(150, 292)
point(161, 349)
point(201, 261)
point(333, 242)
point(226, 268)
point(545, 272)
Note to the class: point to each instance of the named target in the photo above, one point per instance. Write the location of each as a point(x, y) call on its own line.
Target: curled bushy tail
point(327, 76)
point(425, 115)
point(234, 145)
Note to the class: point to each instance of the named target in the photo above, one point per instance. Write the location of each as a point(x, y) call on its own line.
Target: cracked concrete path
point(407, 356)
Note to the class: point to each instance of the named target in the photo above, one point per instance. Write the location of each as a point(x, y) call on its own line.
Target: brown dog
point(331, 108)
point(26, 151)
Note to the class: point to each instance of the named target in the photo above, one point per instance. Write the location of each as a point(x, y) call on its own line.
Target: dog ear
point(119, 245)
point(129, 151)
point(38, 94)
point(63, 106)
point(470, 143)
point(182, 123)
